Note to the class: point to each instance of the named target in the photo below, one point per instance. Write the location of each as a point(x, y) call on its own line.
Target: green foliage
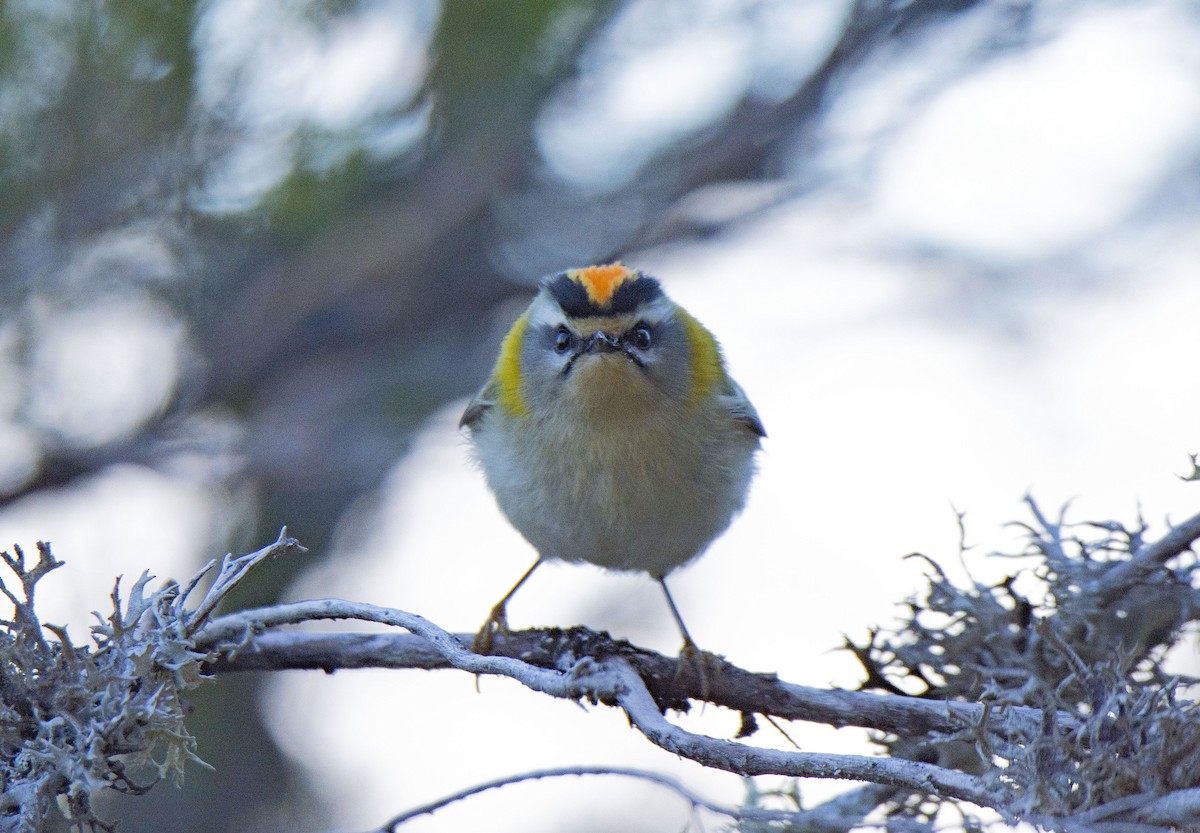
point(149, 42)
point(86, 90)
point(310, 197)
point(488, 71)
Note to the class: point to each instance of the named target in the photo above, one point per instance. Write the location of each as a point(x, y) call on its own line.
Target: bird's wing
point(741, 409)
point(478, 406)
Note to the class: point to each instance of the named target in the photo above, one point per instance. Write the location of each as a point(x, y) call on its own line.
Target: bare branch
point(834, 816)
point(695, 800)
point(846, 812)
point(1177, 808)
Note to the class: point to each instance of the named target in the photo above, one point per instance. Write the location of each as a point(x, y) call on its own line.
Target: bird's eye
point(562, 340)
point(640, 336)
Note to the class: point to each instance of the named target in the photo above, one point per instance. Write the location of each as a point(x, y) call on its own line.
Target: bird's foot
point(496, 624)
point(692, 672)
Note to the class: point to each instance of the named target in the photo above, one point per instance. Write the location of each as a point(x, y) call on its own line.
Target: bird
point(611, 433)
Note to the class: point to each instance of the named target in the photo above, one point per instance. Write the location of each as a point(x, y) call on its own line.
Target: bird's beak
point(603, 342)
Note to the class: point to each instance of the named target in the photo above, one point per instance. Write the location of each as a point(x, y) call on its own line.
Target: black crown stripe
point(575, 303)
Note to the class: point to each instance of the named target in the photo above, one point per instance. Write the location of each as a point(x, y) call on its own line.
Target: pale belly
point(607, 505)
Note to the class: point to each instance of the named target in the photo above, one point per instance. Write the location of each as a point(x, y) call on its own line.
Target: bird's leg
point(497, 621)
point(690, 654)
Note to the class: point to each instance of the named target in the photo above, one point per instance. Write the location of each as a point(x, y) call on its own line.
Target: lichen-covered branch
point(1049, 706)
point(744, 759)
point(1080, 627)
point(728, 686)
point(1055, 711)
point(1146, 561)
point(77, 720)
point(593, 667)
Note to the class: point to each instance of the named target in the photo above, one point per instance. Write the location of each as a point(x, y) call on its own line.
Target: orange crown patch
point(611, 289)
point(600, 282)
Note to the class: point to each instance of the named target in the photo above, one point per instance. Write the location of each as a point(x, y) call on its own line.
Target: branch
point(824, 817)
point(742, 759)
point(581, 664)
point(1147, 559)
point(729, 686)
point(697, 802)
point(1079, 764)
point(231, 635)
point(596, 668)
point(233, 570)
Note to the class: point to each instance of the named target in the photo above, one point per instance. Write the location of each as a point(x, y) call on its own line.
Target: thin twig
point(697, 801)
point(825, 817)
point(232, 571)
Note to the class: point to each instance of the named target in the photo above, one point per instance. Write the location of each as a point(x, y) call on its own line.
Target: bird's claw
point(496, 624)
point(696, 661)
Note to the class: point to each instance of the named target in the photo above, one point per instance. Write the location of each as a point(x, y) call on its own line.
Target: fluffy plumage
point(610, 431)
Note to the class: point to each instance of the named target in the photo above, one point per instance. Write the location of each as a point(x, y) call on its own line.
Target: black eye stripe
point(566, 371)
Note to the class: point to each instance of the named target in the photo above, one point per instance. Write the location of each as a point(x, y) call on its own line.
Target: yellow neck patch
point(600, 282)
point(508, 370)
point(708, 367)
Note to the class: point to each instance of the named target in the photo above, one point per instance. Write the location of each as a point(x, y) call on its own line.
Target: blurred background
point(256, 254)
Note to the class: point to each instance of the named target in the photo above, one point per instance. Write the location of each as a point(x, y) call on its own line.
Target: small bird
point(610, 431)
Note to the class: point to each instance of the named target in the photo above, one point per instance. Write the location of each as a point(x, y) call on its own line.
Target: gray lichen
point(1083, 643)
point(78, 720)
